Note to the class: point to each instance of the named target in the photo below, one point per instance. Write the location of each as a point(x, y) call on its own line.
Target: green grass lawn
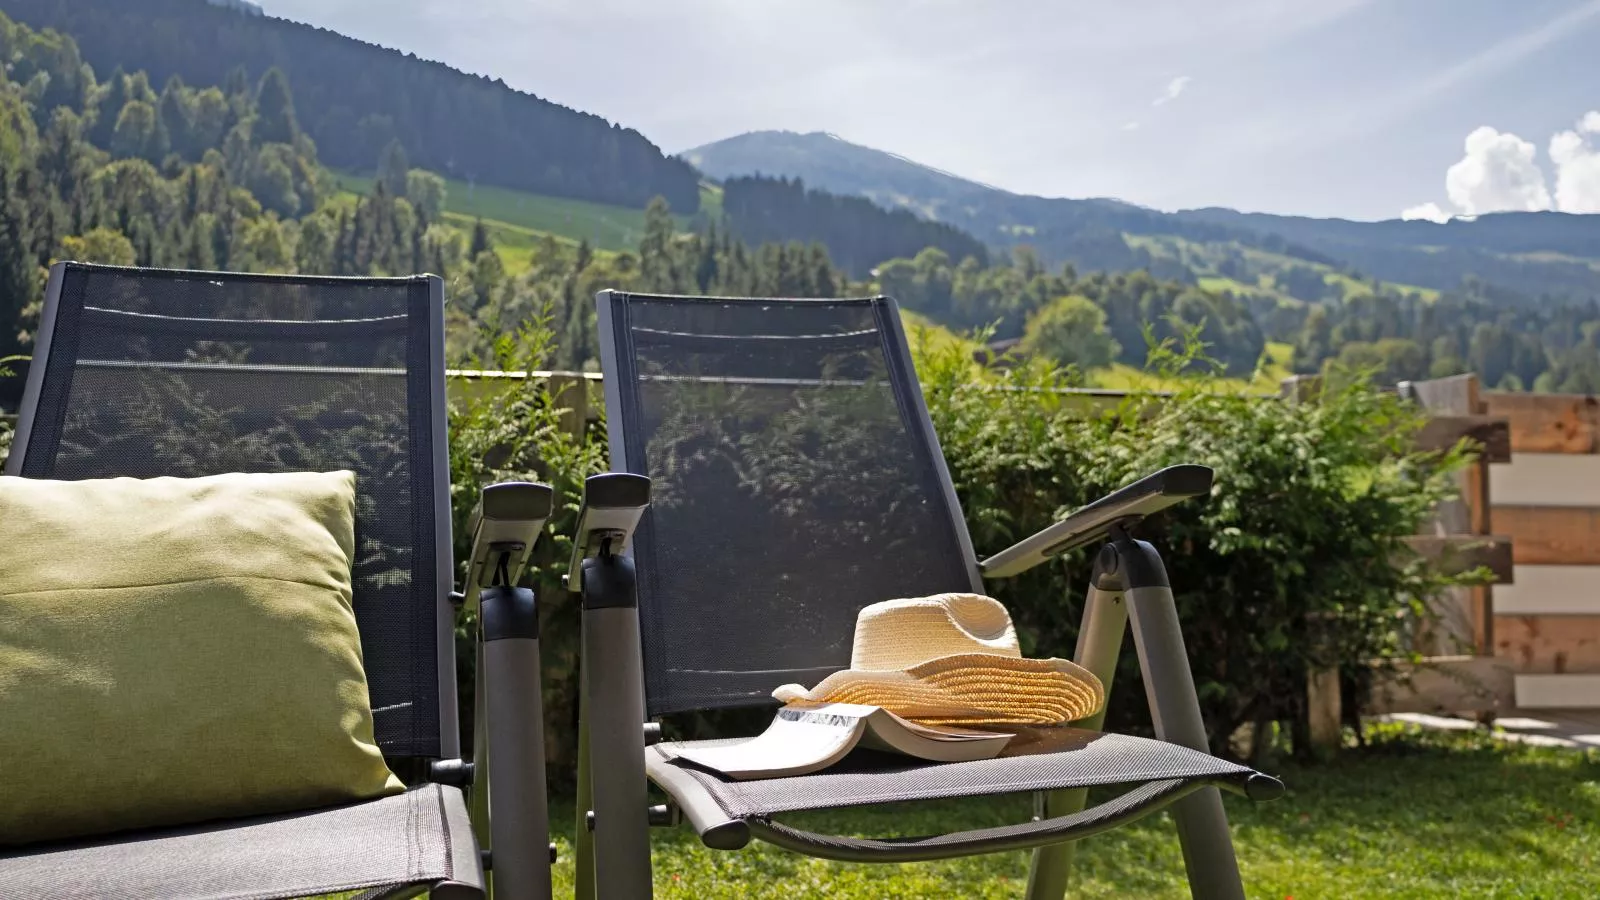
point(1413, 815)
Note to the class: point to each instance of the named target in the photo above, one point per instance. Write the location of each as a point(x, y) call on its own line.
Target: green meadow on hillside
point(1207, 260)
point(605, 227)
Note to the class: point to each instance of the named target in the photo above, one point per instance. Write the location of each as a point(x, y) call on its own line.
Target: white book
point(808, 737)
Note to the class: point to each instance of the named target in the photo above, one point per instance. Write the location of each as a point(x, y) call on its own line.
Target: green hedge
point(517, 434)
point(1295, 562)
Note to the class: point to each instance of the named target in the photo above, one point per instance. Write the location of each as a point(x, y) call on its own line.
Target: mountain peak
point(826, 161)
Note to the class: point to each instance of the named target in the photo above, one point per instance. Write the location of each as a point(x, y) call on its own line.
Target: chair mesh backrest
point(153, 373)
point(796, 480)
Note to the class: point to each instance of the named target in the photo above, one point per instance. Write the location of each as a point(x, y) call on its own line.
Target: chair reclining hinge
point(666, 815)
point(452, 772)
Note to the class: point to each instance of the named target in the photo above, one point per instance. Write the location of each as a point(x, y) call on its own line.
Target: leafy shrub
point(515, 432)
point(1295, 563)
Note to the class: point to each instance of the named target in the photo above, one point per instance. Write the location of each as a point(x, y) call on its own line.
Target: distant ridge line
point(921, 165)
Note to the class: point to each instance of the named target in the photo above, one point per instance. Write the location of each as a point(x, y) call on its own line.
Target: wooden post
point(570, 392)
point(1467, 620)
point(1325, 713)
point(1324, 700)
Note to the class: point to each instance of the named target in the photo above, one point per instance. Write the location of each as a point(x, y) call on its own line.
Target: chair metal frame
point(509, 810)
point(1129, 588)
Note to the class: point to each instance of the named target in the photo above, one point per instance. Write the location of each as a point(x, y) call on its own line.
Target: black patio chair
point(145, 373)
point(776, 471)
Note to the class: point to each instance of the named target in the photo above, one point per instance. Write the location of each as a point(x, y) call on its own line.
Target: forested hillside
point(223, 177)
point(858, 233)
point(1534, 254)
point(353, 98)
point(1089, 320)
point(113, 166)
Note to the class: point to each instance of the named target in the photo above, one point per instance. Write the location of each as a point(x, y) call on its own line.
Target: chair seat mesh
point(1120, 810)
point(1044, 759)
point(420, 837)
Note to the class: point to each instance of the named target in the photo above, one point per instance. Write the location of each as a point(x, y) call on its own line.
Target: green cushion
point(174, 650)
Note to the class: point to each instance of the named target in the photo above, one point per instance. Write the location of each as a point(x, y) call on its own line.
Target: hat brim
point(967, 689)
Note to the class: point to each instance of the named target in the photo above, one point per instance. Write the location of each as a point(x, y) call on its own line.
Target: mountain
point(1530, 253)
point(829, 163)
point(354, 98)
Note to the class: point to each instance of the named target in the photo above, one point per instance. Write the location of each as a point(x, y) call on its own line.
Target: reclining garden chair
point(146, 373)
point(776, 471)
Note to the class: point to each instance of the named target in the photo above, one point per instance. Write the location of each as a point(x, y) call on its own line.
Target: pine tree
point(393, 168)
point(705, 273)
point(823, 283)
point(16, 266)
point(178, 118)
point(656, 264)
point(113, 96)
point(275, 122)
point(199, 253)
point(480, 240)
point(344, 252)
point(237, 85)
point(578, 333)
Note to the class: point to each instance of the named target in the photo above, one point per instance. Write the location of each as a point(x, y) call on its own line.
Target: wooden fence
point(1547, 623)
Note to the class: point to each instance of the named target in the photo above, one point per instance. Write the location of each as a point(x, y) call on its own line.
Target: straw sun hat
point(952, 659)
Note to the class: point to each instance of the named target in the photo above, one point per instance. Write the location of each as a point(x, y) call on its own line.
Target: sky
point(1365, 109)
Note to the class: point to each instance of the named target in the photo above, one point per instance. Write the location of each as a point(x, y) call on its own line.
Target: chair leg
point(519, 815)
point(478, 791)
point(616, 717)
point(583, 838)
point(1105, 621)
point(1051, 866)
point(1208, 855)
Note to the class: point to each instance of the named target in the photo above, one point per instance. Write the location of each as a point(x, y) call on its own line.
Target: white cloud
point(1577, 163)
point(1175, 89)
point(1130, 126)
point(1498, 173)
point(1426, 211)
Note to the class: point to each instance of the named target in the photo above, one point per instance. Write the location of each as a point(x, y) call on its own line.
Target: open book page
point(805, 738)
point(800, 740)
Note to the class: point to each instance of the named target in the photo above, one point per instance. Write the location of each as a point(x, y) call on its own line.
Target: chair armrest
point(1144, 497)
point(505, 525)
point(613, 504)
